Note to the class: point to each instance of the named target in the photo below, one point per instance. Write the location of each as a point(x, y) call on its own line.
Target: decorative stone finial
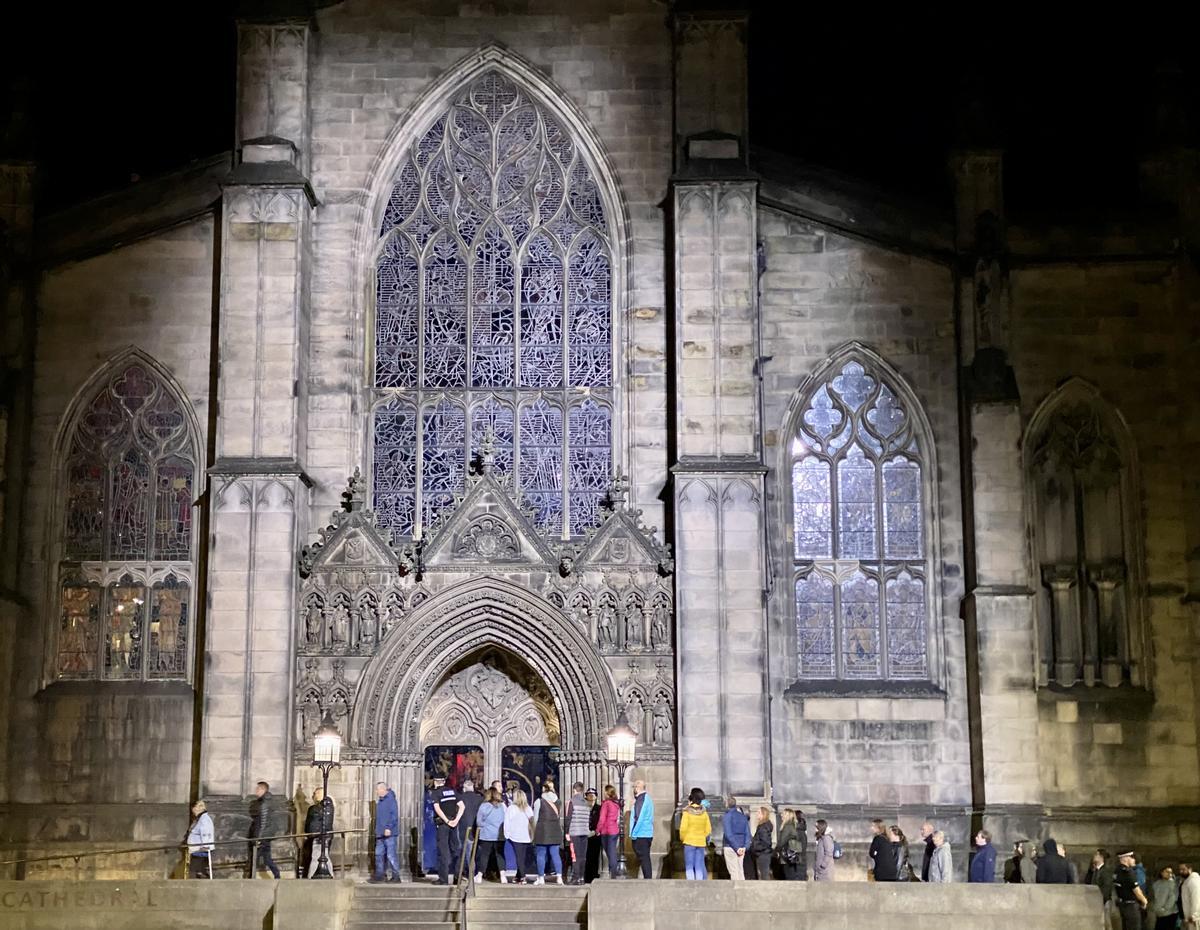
point(487, 452)
point(618, 489)
point(355, 495)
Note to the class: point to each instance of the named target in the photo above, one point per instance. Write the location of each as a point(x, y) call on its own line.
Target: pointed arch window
point(859, 530)
point(127, 534)
point(1079, 460)
point(493, 308)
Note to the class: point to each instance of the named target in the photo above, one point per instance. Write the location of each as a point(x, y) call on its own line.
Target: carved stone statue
point(366, 630)
point(633, 628)
point(662, 724)
point(606, 620)
point(312, 625)
point(340, 625)
point(394, 616)
point(660, 627)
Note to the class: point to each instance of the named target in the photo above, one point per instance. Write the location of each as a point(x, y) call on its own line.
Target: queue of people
point(532, 843)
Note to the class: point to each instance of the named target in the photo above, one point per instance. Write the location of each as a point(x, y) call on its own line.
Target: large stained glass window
point(126, 552)
point(493, 309)
point(859, 533)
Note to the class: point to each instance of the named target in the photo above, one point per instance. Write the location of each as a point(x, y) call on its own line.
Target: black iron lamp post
point(622, 745)
point(327, 753)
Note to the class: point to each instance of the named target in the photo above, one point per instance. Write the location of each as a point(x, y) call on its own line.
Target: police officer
point(447, 811)
point(1130, 898)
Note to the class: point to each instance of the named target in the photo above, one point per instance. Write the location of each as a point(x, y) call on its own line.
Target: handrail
point(471, 844)
point(241, 841)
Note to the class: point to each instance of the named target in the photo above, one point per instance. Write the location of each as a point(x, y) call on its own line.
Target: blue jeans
point(555, 858)
point(385, 855)
point(610, 852)
point(693, 860)
point(514, 857)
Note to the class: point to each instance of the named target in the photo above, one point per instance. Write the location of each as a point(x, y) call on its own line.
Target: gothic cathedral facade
point(495, 386)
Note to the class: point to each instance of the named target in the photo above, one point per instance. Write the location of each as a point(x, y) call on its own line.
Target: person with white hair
point(200, 842)
point(941, 866)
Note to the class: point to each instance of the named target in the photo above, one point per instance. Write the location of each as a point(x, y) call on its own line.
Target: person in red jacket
point(608, 827)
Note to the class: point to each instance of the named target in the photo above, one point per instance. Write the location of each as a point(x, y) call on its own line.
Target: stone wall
point(150, 905)
point(373, 63)
point(813, 906)
point(845, 756)
point(1118, 324)
point(101, 763)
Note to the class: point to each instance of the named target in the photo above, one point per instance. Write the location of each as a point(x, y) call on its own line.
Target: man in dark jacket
point(471, 800)
point(318, 823)
point(260, 825)
point(927, 831)
point(387, 824)
point(983, 863)
point(1052, 869)
point(591, 869)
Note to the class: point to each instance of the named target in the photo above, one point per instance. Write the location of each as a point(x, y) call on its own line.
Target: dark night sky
point(124, 89)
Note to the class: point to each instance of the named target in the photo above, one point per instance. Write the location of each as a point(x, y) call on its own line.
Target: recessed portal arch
point(481, 614)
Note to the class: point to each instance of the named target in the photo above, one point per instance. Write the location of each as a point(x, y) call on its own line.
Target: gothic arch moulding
point(1082, 476)
point(465, 619)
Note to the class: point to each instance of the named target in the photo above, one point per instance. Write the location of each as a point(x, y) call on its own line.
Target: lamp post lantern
point(622, 746)
point(327, 753)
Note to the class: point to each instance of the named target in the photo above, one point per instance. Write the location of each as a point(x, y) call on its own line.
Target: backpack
point(837, 850)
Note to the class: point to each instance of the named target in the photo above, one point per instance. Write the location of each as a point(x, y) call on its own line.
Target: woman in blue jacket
point(983, 864)
point(641, 829)
point(490, 821)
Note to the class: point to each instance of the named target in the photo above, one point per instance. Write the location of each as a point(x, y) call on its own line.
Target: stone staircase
point(516, 907)
point(406, 906)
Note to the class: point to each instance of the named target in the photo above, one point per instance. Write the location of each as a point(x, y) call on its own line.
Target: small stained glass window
point(128, 528)
point(494, 308)
point(858, 530)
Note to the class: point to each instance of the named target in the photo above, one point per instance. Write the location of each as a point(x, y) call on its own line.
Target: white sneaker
point(559, 879)
point(540, 880)
point(478, 878)
point(503, 878)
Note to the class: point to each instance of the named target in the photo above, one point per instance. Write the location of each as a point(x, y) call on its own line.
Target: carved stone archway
point(464, 619)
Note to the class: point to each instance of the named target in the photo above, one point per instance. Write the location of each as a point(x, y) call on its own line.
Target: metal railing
point(466, 857)
point(182, 850)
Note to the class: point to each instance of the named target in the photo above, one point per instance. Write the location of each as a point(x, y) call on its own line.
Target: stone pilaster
point(999, 612)
point(18, 285)
point(718, 494)
point(259, 498)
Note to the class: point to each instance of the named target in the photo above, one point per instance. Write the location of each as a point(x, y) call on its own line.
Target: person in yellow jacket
point(694, 830)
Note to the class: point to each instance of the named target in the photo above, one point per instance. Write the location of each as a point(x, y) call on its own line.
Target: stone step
point(356, 923)
point(492, 890)
point(416, 911)
point(487, 923)
point(530, 918)
point(401, 893)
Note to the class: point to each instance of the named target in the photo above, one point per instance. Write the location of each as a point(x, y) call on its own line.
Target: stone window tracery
point(1085, 542)
point(859, 532)
point(125, 605)
point(493, 307)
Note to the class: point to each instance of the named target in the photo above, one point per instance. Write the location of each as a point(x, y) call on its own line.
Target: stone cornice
point(248, 467)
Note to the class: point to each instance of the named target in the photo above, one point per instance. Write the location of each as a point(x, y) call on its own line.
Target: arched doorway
point(491, 719)
point(434, 680)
